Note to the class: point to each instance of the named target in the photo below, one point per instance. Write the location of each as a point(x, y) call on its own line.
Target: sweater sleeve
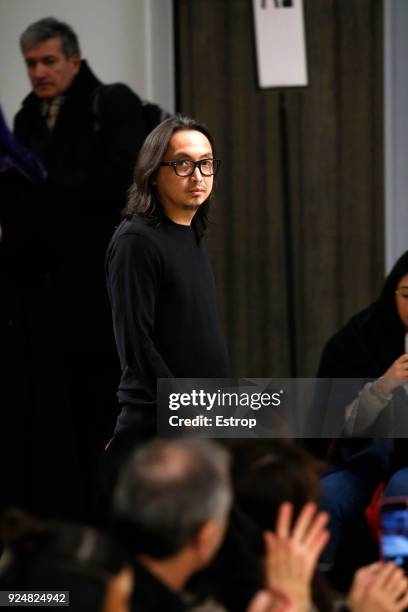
point(362, 413)
point(135, 268)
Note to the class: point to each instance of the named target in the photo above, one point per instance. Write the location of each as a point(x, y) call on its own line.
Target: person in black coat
point(36, 443)
point(88, 136)
point(370, 352)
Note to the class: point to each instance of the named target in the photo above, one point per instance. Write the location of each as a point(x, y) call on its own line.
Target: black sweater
point(165, 315)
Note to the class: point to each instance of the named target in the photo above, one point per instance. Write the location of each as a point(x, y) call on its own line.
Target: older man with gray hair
point(171, 507)
point(87, 135)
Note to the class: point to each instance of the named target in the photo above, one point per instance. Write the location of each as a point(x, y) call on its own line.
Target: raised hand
point(395, 376)
point(379, 588)
point(292, 552)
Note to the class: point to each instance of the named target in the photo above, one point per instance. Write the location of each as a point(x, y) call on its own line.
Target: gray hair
point(167, 491)
point(49, 27)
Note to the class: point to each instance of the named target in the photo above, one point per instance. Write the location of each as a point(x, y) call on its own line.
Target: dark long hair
point(142, 196)
point(382, 324)
point(269, 473)
point(386, 300)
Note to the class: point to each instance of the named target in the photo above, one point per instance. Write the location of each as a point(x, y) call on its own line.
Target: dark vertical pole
point(288, 235)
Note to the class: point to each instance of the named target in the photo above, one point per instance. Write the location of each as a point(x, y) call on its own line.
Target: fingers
point(379, 588)
point(284, 519)
point(386, 574)
point(303, 522)
point(393, 581)
point(310, 529)
point(278, 560)
point(308, 532)
point(317, 535)
point(317, 546)
point(402, 603)
point(364, 577)
point(399, 369)
point(390, 586)
point(292, 553)
point(269, 540)
point(401, 366)
point(263, 601)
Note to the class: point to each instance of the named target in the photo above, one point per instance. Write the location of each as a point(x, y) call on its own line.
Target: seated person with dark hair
point(60, 556)
point(277, 483)
point(365, 367)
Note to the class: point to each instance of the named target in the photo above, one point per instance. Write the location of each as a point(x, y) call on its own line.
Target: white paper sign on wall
point(280, 43)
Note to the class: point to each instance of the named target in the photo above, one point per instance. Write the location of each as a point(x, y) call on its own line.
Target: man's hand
point(266, 601)
point(379, 588)
point(292, 553)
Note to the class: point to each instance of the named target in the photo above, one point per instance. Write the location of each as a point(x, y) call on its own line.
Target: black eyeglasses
point(186, 167)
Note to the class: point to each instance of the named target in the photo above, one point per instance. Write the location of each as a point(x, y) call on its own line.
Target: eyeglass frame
point(174, 165)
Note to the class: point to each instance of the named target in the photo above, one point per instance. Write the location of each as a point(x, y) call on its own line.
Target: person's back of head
point(168, 491)
point(60, 556)
point(267, 474)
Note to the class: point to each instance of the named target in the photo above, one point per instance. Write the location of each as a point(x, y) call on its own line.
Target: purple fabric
point(13, 155)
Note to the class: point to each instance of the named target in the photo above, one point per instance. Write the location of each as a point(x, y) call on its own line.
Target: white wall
point(396, 128)
point(123, 40)
point(159, 45)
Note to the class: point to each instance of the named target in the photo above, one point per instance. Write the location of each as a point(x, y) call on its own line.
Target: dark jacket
point(152, 595)
point(89, 157)
point(90, 154)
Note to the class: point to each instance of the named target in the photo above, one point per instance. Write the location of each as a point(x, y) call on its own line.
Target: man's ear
point(205, 533)
point(207, 540)
point(75, 59)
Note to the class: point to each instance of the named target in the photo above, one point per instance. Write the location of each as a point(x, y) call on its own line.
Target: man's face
point(178, 193)
point(49, 71)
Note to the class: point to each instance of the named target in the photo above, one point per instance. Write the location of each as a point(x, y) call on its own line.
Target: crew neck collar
point(177, 226)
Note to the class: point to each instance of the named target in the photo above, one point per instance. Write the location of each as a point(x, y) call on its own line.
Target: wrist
point(382, 388)
point(303, 598)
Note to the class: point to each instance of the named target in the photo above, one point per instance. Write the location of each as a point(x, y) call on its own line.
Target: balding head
point(168, 490)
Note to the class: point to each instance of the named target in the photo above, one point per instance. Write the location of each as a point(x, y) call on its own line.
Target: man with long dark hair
point(160, 282)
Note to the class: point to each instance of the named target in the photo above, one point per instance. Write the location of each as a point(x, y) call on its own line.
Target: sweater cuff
point(378, 393)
